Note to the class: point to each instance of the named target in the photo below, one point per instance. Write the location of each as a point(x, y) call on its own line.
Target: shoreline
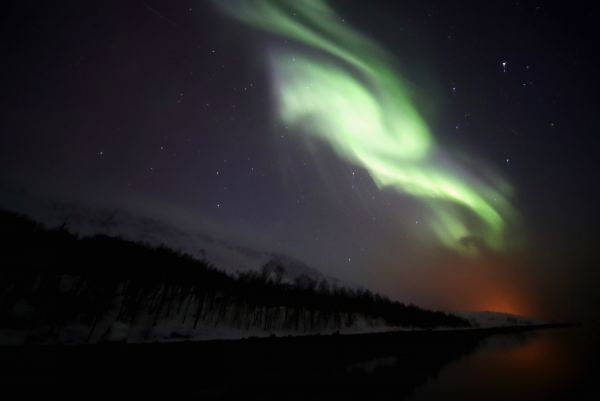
point(398, 361)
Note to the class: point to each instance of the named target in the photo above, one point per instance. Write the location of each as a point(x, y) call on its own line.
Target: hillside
point(58, 287)
point(231, 255)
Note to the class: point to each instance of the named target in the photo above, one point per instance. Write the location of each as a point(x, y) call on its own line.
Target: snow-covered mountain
point(222, 254)
point(489, 319)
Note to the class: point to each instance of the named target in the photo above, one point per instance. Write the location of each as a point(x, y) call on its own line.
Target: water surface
point(542, 365)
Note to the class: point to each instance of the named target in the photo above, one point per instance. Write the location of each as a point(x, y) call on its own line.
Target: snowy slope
point(222, 254)
point(488, 319)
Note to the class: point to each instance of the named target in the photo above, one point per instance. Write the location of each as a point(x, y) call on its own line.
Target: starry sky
point(168, 108)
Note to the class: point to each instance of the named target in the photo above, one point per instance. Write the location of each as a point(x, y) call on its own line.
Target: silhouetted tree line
point(50, 278)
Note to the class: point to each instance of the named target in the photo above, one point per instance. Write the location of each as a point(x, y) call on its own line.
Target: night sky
point(169, 109)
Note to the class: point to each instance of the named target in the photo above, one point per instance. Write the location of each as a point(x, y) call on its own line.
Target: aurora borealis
point(348, 95)
point(441, 153)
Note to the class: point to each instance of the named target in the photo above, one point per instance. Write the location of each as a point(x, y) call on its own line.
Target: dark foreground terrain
point(52, 282)
point(369, 366)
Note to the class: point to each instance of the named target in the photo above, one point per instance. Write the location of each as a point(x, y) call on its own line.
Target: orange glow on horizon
point(488, 283)
point(499, 302)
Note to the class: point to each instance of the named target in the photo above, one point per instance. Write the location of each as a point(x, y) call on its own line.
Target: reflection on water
point(420, 366)
point(545, 365)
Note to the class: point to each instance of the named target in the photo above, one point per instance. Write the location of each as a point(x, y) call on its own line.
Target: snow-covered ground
point(173, 331)
point(175, 328)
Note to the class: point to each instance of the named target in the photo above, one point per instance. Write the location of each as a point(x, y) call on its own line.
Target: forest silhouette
point(51, 278)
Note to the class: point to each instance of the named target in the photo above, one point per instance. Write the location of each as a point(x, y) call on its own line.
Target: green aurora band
point(343, 90)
